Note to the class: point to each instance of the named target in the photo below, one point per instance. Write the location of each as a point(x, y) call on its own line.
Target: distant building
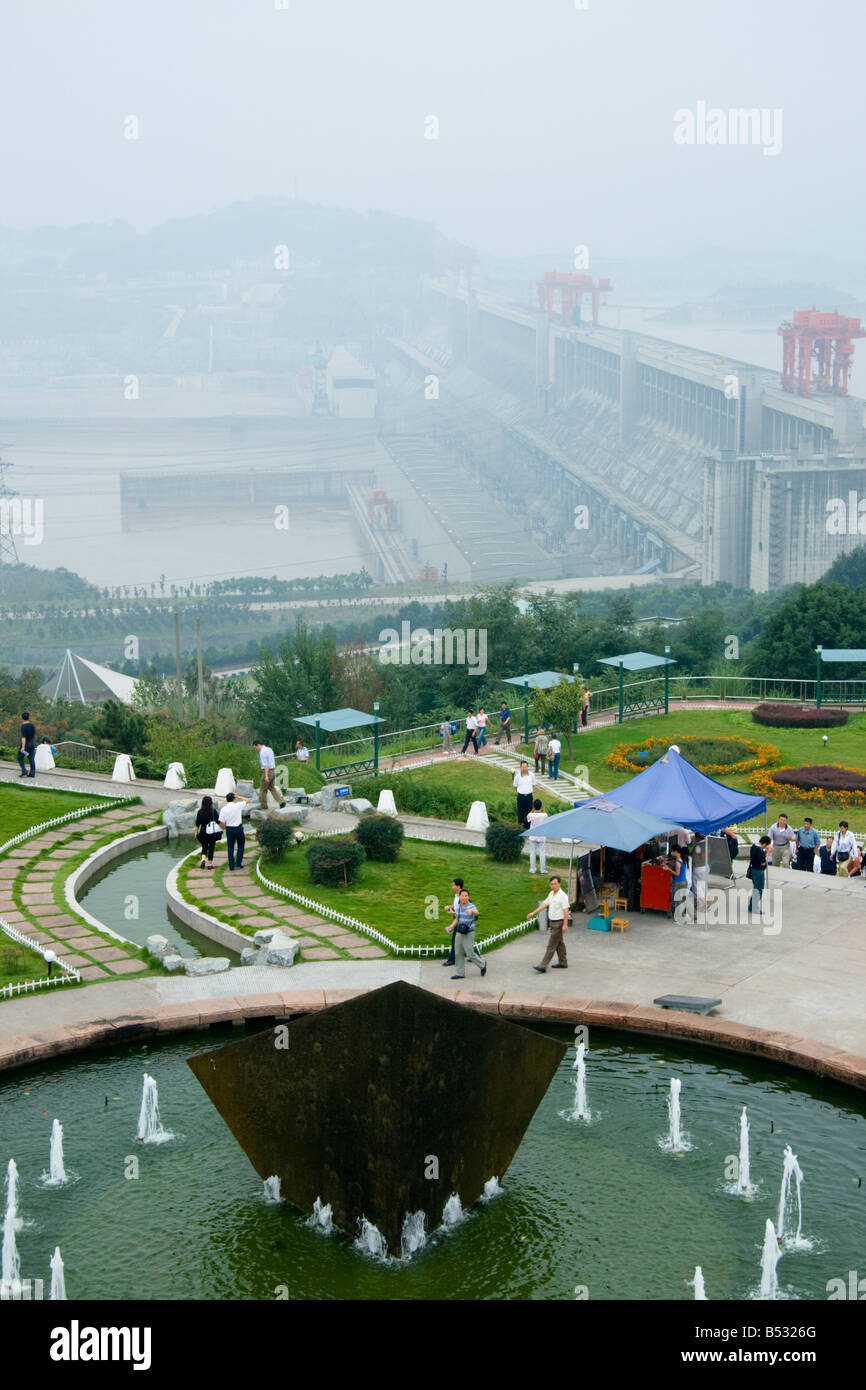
point(78, 680)
point(777, 519)
point(352, 393)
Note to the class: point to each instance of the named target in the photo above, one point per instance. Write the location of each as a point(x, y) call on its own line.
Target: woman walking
point(207, 831)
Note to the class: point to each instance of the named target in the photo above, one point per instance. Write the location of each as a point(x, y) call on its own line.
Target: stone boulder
point(206, 965)
point(355, 806)
point(328, 800)
point(282, 953)
point(160, 947)
point(289, 813)
point(264, 937)
point(250, 956)
point(173, 962)
point(245, 787)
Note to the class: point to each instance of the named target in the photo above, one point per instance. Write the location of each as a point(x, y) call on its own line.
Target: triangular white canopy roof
point(87, 682)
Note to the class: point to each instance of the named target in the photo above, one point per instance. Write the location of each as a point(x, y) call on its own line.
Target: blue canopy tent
point(604, 822)
point(674, 788)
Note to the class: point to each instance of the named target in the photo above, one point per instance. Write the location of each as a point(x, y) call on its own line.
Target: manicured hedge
point(335, 863)
point(380, 836)
point(826, 778)
point(799, 716)
point(275, 836)
point(504, 842)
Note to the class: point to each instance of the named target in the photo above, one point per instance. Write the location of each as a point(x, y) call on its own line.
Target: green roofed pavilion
point(334, 721)
point(639, 661)
point(539, 680)
point(835, 654)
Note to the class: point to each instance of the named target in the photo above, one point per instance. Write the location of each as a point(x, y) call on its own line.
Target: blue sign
point(342, 791)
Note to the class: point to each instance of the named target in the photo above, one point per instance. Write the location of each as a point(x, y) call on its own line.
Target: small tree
point(275, 836)
point(335, 863)
point(504, 841)
point(559, 707)
point(380, 836)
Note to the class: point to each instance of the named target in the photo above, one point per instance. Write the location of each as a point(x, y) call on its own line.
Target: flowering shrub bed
point(799, 716)
point(714, 756)
point(829, 785)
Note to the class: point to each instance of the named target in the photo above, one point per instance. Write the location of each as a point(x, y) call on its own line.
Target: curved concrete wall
point(202, 922)
point(81, 876)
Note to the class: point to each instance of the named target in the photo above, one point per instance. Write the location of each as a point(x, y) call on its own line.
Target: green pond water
point(598, 1205)
point(129, 896)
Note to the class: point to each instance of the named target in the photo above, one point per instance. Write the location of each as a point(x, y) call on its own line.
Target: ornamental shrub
point(826, 778)
point(799, 716)
point(275, 835)
point(335, 863)
point(380, 836)
point(504, 841)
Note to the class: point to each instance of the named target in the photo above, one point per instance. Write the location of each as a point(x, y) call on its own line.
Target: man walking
point(554, 753)
point(757, 871)
point(808, 841)
point(456, 885)
point(269, 774)
point(781, 836)
point(844, 845)
point(463, 927)
point(556, 903)
point(231, 816)
point(27, 748)
point(540, 750)
point(471, 736)
point(524, 784)
point(504, 723)
point(445, 735)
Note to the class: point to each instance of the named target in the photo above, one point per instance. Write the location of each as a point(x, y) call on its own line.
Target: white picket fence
point(322, 910)
point(70, 975)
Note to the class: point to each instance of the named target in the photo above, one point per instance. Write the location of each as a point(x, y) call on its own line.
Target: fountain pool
point(599, 1205)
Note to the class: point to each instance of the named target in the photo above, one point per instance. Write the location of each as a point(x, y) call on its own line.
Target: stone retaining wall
point(202, 922)
point(81, 876)
point(818, 1059)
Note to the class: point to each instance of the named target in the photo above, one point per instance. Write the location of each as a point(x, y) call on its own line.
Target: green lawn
point(17, 964)
point(462, 782)
point(22, 807)
point(395, 898)
point(846, 745)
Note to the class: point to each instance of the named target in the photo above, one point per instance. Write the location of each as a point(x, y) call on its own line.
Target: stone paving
point(30, 888)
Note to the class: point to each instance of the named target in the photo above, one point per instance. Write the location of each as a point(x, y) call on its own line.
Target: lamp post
point(318, 746)
point(620, 692)
point(526, 711)
point(575, 666)
point(667, 677)
point(819, 651)
point(376, 740)
point(49, 957)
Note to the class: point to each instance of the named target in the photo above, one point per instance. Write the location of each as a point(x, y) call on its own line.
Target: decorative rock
point(290, 813)
point(123, 769)
point(250, 956)
point(175, 777)
point(386, 805)
point(282, 955)
point(189, 803)
point(265, 936)
point(328, 799)
point(245, 787)
point(477, 818)
point(173, 962)
point(206, 965)
point(225, 782)
point(159, 946)
point(356, 806)
point(179, 823)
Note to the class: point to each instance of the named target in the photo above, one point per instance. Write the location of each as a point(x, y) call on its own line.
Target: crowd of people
point(547, 749)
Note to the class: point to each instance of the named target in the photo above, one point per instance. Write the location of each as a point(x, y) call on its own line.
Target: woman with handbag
point(207, 831)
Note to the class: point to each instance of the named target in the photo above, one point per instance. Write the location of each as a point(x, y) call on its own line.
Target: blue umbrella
point(605, 822)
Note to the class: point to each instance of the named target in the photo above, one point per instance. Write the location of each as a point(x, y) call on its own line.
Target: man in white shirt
point(524, 784)
point(554, 752)
point(781, 836)
point(231, 816)
point(302, 752)
point(471, 736)
point(844, 845)
point(269, 774)
point(556, 903)
point(537, 816)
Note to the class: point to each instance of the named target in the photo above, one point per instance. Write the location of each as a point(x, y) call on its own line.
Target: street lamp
point(49, 957)
point(376, 740)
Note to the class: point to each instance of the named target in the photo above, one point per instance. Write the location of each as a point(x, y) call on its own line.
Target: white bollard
point(478, 818)
point(175, 778)
point(44, 758)
point(123, 769)
point(225, 782)
point(386, 805)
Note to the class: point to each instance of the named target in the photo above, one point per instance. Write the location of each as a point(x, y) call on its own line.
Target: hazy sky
point(556, 124)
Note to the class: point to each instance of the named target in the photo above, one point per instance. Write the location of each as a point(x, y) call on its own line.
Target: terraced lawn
point(23, 806)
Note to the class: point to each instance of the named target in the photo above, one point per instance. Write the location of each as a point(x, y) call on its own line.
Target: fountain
point(56, 1175)
point(581, 1110)
point(150, 1130)
point(742, 1186)
point(491, 1190)
point(452, 1214)
point(791, 1196)
point(58, 1278)
point(770, 1257)
point(675, 1141)
point(370, 1240)
point(698, 1285)
point(271, 1191)
point(414, 1235)
point(11, 1263)
point(322, 1217)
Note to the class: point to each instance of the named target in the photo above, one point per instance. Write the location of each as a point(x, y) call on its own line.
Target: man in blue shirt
point(808, 841)
point(504, 723)
point(269, 774)
point(463, 927)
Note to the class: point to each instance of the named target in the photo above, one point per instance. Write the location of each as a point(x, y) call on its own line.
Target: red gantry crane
point(825, 340)
point(571, 289)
